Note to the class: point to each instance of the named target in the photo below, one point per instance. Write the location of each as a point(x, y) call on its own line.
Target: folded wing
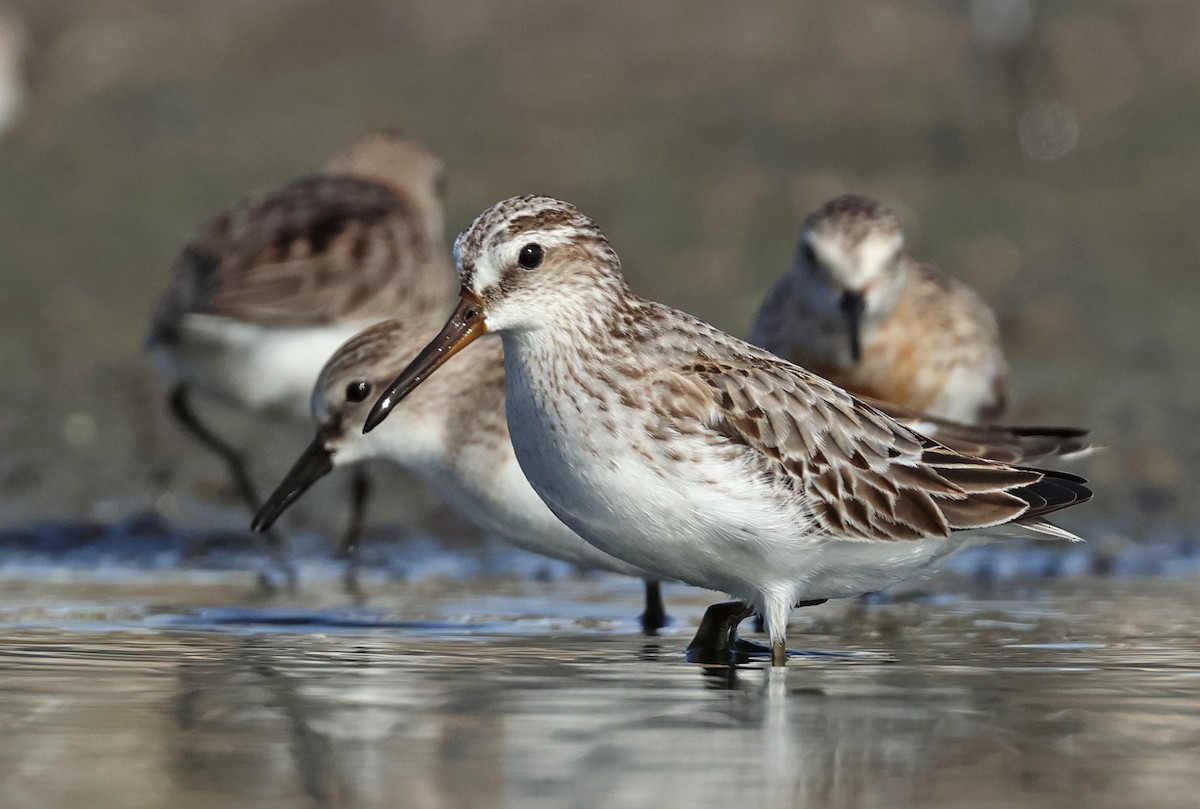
point(860, 473)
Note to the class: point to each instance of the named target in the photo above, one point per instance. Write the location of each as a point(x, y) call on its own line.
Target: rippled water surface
point(142, 694)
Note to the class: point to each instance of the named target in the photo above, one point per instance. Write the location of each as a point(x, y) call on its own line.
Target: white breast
point(589, 467)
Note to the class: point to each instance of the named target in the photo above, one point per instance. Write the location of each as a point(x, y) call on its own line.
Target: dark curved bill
point(463, 328)
point(852, 305)
point(313, 464)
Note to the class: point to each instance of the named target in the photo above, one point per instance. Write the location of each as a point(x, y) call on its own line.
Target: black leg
point(360, 493)
point(181, 409)
point(716, 640)
point(717, 636)
point(654, 617)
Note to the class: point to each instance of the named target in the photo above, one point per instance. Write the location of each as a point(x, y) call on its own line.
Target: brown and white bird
point(452, 434)
point(268, 290)
point(690, 454)
point(859, 310)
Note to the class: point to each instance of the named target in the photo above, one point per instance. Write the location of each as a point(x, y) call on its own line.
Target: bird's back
point(322, 250)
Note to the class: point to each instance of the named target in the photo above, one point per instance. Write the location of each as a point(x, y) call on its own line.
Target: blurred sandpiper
point(452, 433)
point(859, 310)
point(267, 290)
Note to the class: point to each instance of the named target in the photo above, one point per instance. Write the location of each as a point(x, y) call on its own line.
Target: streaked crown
point(366, 359)
point(855, 240)
point(534, 253)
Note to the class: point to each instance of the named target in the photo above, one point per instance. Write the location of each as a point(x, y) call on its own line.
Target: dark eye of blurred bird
point(358, 391)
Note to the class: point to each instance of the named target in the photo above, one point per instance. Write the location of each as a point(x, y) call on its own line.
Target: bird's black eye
point(531, 256)
point(358, 391)
point(807, 253)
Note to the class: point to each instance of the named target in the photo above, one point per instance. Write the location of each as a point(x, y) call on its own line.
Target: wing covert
point(857, 471)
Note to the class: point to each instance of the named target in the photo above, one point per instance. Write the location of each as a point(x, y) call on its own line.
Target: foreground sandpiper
point(693, 455)
point(452, 433)
point(268, 290)
point(859, 310)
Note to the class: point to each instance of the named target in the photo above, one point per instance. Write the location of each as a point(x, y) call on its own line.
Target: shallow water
point(182, 692)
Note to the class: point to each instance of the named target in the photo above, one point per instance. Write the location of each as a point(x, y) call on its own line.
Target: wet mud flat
point(512, 685)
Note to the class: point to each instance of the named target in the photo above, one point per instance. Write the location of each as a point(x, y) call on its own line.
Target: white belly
point(252, 366)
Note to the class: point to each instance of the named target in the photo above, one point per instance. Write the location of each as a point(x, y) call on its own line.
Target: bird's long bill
point(463, 328)
point(315, 463)
point(852, 306)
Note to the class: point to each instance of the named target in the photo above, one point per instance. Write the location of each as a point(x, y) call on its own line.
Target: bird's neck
point(591, 329)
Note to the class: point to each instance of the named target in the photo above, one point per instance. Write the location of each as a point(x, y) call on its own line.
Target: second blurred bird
point(859, 310)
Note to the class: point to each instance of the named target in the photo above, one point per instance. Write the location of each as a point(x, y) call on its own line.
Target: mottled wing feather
point(320, 250)
point(862, 474)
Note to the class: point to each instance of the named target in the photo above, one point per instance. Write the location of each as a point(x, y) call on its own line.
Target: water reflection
point(1039, 704)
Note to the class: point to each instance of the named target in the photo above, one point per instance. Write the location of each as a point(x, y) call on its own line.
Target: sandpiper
point(859, 310)
point(268, 290)
point(695, 456)
point(453, 434)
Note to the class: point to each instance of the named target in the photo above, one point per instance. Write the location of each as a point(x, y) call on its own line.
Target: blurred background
point(1045, 152)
